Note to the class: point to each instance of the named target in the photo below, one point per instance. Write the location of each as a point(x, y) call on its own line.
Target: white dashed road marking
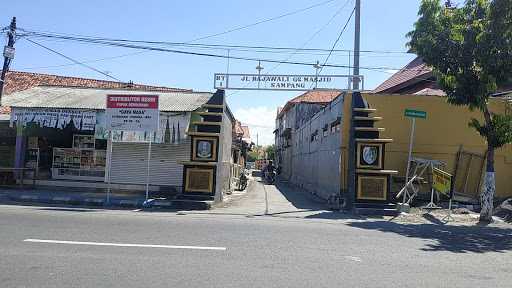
point(124, 244)
point(354, 258)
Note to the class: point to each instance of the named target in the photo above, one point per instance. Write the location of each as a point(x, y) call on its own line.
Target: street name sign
point(411, 113)
point(284, 82)
point(132, 112)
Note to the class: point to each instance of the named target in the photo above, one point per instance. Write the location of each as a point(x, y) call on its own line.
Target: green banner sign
point(415, 113)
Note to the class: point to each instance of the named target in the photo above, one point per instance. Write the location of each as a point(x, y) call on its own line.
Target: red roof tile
point(316, 96)
point(313, 96)
point(18, 81)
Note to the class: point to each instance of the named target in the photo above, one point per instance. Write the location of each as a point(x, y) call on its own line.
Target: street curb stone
point(99, 202)
point(128, 203)
point(94, 202)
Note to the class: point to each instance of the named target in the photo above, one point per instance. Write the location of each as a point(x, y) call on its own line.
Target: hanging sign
point(442, 181)
point(132, 112)
point(9, 52)
point(283, 82)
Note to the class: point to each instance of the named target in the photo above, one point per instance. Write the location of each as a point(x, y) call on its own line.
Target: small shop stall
point(61, 143)
point(80, 162)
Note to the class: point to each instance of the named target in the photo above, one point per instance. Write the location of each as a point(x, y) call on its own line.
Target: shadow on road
point(457, 239)
point(306, 203)
point(336, 215)
point(429, 217)
point(300, 199)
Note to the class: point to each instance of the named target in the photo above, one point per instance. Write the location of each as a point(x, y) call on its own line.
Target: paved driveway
point(281, 200)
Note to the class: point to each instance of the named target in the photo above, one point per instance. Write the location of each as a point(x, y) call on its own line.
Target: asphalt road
point(259, 251)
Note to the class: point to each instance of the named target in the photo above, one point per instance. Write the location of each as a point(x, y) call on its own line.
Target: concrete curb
point(126, 203)
point(101, 202)
point(94, 202)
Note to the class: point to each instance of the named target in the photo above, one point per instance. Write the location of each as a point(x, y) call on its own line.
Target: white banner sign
point(54, 117)
point(132, 112)
point(284, 82)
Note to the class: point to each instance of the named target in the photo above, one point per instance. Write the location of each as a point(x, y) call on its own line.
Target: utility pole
point(8, 54)
point(357, 44)
point(351, 181)
point(259, 68)
point(317, 67)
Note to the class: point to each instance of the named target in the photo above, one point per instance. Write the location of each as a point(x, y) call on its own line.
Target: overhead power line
point(85, 61)
point(338, 39)
point(335, 43)
point(263, 21)
point(73, 60)
point(160, 49)
point(294, 52)
point(199, 45)
point(238, 28)
point(224, 32)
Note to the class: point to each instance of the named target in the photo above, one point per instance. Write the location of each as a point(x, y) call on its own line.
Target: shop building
point(17, 81)
point(62, 131)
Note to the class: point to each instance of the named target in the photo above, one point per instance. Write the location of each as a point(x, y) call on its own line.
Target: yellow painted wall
point(345, 139)
point(439, 136)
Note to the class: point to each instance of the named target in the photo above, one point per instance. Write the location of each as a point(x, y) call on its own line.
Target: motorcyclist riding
point(269, 172)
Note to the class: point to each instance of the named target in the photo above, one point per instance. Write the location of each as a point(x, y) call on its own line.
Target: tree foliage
point(271, 151)
point(498, 132)
point(252, 156)
point(470, 52)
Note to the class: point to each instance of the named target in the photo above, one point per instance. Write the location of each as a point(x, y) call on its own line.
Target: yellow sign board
point(442, 181)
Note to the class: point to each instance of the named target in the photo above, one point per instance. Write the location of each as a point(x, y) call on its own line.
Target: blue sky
point(384, 25)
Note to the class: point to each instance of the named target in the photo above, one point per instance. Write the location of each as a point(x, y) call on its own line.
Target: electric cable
point(73, 60)
point(159, 49)
point(303, 44)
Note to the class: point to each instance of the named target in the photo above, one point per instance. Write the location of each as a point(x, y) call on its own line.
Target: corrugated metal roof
point(415, 69)
point(431, 92)
point(89, 98)
point(5, 117)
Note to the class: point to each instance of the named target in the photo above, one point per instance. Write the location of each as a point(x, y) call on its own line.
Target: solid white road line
point(124, 244)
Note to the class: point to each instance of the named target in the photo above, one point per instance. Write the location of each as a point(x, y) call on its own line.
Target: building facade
point(373, 127)
point(308, 141)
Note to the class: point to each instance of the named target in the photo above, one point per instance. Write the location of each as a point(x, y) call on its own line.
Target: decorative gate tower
point(372, 180)
point(200, 173)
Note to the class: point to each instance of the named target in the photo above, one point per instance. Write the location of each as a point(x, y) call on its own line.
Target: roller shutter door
point(129, 162)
